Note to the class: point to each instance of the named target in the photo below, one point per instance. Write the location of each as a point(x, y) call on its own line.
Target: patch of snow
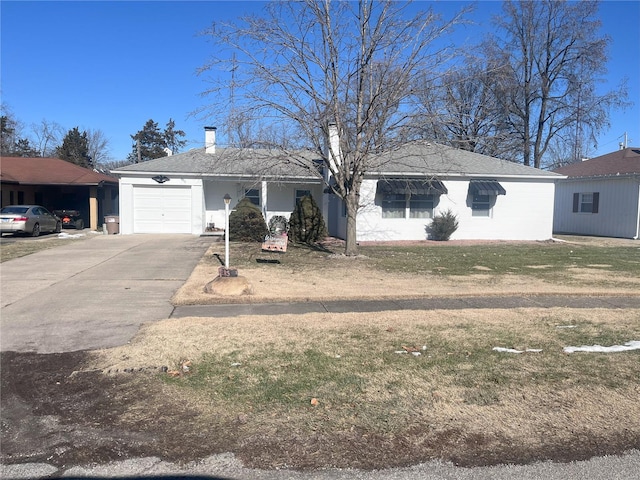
point(69, 235)
point(566, 326)
point(513, 350)
point(632, 345)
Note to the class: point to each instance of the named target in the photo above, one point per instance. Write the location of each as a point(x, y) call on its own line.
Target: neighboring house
point(56, 184)
point(600, 196)
point(493, 199)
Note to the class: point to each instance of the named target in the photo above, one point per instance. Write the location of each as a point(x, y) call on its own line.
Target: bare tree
point(47, 137)
point(98, 147)
point(555, 57)
point(461, 110)
point(336, 77)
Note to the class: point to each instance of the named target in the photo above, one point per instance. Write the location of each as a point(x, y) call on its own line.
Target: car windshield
point(14, 210)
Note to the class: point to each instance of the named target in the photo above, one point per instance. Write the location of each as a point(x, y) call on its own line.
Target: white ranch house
point(493, 198)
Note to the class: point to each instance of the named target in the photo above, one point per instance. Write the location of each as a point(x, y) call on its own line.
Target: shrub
point(246, 223)
point(443, 225)
point(278, 225)
point(306, 224)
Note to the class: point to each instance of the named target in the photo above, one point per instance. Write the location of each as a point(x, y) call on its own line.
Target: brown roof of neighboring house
point(620, 162)
point(48, 171)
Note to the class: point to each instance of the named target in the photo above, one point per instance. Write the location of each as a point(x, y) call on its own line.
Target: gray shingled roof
point(432, 159)
point(225, 162)
point(414, 159)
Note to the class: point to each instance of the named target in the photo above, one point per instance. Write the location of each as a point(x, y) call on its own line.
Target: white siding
point(524, 213)
point(618, 216)
point(175, 217)
point(280, 198)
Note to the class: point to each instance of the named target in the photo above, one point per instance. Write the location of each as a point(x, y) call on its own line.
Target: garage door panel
point(162, 209)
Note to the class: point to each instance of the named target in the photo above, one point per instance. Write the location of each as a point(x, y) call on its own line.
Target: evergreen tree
point(23, 148)
point(246, 223)
point(75, 148)
point(306, 224)
point(7, 135)
point(172, 137)
point(151, 142)
point(11, 144)
point(148, 143)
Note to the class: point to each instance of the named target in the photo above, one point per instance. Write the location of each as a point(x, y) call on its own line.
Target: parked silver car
point(29, 219)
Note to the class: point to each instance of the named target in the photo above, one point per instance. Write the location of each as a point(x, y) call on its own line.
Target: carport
point(58, 185)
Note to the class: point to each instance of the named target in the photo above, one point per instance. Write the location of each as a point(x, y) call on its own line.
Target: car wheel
point(36, 230)
point(79, 224)
point(58, 227)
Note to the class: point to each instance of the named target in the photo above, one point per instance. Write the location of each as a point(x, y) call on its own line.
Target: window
point(253, 194)
point(481, 206)
point(396, 206)
point(302, 193)
point(586, 202)
point(421, 206)
point(20, 198)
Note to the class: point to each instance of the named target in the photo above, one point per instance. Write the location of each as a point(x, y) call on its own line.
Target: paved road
point(225, 466)
point(92, 293)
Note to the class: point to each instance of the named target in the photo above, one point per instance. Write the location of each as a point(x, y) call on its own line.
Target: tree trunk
point(351, 245)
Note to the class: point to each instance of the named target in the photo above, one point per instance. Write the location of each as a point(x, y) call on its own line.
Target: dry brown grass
point(457, 398)
point(334, 385)
point(336, 277)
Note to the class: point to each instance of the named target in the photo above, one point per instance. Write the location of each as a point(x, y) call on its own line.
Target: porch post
point(93, 208)
point(264, 200)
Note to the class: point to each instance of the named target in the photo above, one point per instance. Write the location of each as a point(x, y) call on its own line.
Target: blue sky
point(111, 66)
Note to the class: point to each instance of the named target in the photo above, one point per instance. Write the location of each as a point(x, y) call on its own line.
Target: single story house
point(600, 196)
point(493, 198)
point(58, 185)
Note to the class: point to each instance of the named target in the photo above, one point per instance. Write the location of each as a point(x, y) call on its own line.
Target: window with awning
point(411, 187)
point(486, 187)
point(409, 198)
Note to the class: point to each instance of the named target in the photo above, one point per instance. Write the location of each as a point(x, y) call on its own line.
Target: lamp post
point(227, 201)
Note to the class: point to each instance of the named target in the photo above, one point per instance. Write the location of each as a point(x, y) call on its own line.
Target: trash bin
point(113, 224)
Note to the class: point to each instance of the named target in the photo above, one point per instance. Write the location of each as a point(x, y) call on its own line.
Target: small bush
point(278, 225)
point(306, 224)
point(443, 226)
point(246, 223)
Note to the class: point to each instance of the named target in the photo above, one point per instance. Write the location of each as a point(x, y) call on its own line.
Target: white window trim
point(407, 209)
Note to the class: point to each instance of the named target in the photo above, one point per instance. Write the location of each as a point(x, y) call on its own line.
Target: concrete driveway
point(92, 293)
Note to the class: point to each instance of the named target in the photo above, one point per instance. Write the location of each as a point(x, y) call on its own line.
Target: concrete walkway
point(435, 303)
point(94, 292)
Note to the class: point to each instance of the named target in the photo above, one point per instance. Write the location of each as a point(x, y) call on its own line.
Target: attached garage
point(174, 206)
point(162, 209)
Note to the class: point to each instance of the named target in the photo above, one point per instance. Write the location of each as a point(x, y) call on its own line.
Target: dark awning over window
point(411, 187)
point(486, 187)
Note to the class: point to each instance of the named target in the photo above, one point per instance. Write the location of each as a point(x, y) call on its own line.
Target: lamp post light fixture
point(227, 201)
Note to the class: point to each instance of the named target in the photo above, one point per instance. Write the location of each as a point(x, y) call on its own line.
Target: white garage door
point(161, 209)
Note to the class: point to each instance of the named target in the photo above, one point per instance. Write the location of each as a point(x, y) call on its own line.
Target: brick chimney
point(210, 140)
